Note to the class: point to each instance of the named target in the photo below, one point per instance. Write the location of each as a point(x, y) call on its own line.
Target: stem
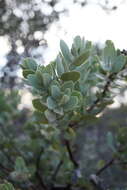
point(39, 176)
point(110, 78)
point(107, 165)
point(96, 180)
point(56, 171)
point(71, 156)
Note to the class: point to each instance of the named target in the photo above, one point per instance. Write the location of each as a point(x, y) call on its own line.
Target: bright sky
point(92, 22)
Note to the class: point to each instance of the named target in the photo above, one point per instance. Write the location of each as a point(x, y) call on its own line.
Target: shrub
point(69, 92)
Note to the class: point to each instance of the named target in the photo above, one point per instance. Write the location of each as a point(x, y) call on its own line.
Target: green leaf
point(55, 91)
point(78, 94)
point(39, 76)
point(46, 79)
point(110, 141)
point(51, 117)
point(59, 110)
point(20, 165)
point(67, 84)
point(29, 63)
point(67, 91)
point(100, 164)
point(55, 82)
point(38, 105)
point(64, 99)
point(65, 51)
point(48, 69)
point(73, 75)
point(32, 81)
point(118, 63)
point(108, 56)
point(26, 72)
point(78, 42)
point(71, 104)
point(40, 117)
point(72, 132)
point(6, 186)
point(59, 65)
point(82, 58)
point(51, 103)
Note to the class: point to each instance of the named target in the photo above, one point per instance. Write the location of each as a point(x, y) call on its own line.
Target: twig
point(75, 163)
point(107, 165)
point(56, 171)
point(95, 178)
point(110, 78)
point(38, 171)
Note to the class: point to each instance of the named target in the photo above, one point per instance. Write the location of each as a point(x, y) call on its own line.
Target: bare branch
point(71, 156)
point(107, 165)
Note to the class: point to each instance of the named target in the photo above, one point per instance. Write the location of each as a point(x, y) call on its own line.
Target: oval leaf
point(73, 75)
point(38, 105)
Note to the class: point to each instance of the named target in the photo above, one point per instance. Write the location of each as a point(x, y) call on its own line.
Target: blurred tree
point(107, 5)
point(24, 22)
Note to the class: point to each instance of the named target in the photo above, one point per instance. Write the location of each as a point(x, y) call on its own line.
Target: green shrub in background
point(69, 93)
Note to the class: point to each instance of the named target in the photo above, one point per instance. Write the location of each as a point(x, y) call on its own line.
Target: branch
point(71, 156)
point(56, 170)
point(38, 171)
point(96, 180)
point(110, 78)
point(107, 165)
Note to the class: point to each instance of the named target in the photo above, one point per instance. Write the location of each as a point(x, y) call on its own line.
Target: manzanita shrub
point(69, 92)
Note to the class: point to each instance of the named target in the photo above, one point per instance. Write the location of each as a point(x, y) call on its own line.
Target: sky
point(92, 22)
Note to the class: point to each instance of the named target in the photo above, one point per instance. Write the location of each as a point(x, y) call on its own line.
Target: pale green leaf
point(65, 51)
point(59, 65)
point(51, 103)
point(51, 117)
point(55, 91)
point(71, 104)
